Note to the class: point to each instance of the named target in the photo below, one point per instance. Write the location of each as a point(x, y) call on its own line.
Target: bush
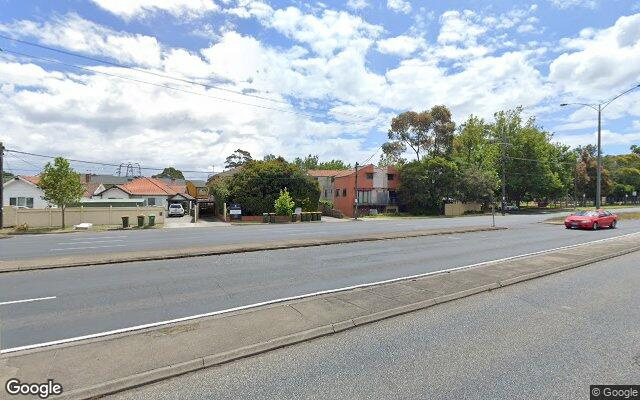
point(284, 203)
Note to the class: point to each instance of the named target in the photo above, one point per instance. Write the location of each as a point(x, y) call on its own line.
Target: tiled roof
point(345, 172)
point(90, 188)
point(323, 172)
point(33, 179)
point(150, 186)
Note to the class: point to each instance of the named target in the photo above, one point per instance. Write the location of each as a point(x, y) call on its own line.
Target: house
point(154, 192)
point(23, 191)
point(325, 179)
point(377, 190)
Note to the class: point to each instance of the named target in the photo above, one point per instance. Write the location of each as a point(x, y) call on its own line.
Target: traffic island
point(102, 365)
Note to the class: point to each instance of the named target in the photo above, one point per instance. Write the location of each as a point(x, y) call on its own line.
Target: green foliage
point(61, 185)
point(237, 158)
point(257, 186)
point(628, 176)
point(307, 163)
point(171, 173)
point(620, 191)
point(477, 185)
point(635, 149)
point(426, 133)
point(426, 184)
point(326, 204)
point(284, 204)
point(219, 189)
point(334, 164)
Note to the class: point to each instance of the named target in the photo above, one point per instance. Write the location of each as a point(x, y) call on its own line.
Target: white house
point(23, 191)
point(155, 192)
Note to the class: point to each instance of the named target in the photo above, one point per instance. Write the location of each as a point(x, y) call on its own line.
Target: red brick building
point(377, 189)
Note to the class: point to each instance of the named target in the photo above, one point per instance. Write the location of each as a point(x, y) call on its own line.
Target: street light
point(599, 108)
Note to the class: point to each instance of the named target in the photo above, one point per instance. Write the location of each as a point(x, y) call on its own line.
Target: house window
point(364, 197)
point(391, 177)
point(326, 193)
point(344, 192)
point(151, 201)
point(337, 192)
point(369, 175)
point(21, 201)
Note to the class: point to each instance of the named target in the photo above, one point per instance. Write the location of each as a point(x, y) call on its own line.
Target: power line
point(99, 60)
point(96, 162)
point(51, 60)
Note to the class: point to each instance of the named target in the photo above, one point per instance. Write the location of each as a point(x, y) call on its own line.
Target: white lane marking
point(91, 242)
point(302, 296)
point(98, 237)
point(4, 303)
point(88, 247)
point(453, 238)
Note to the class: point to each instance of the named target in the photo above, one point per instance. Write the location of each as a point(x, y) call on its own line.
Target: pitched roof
point(345, 172)
point(323, 172)
point(33, 179)
point(150, 186)
point(90, 188)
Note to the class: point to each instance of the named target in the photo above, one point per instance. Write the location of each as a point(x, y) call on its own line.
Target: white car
point(176, 210)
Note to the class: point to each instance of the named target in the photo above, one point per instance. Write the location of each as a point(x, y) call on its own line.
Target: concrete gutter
point(167, 254)
point(100, 366)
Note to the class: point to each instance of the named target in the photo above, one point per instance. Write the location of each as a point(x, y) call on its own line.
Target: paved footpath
point(103, 365)
point(548, 338)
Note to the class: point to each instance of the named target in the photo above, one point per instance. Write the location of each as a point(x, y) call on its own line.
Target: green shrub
point(284, 204)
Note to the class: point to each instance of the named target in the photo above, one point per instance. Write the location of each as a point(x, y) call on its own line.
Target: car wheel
point(595, 226)
point(614, 224)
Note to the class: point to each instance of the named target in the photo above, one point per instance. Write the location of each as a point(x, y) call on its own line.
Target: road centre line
point(91, 242)
point(4, 303)
point(98, 237)
point(88, 247)
point(298, 297)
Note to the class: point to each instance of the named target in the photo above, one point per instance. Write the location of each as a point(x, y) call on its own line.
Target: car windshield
point(175, 206)
point(586, 214)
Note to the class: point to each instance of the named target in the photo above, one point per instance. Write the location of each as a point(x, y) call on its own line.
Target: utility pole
point(356, 188)
point(504, 171)
point(599, 172)
point(1, 184)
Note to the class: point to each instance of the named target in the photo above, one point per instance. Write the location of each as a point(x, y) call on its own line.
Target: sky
point(186, 82)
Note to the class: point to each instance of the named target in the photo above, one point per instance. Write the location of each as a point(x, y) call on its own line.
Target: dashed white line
point(88, 247)
point(91, 242)
point(4, 303)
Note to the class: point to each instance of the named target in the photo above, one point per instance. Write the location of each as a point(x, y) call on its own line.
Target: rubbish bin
point(152, 220)
point(140, 221)
point(272, 218)
point(125, 222)
point(265, 218)
point(294, 217)
point(319, 216)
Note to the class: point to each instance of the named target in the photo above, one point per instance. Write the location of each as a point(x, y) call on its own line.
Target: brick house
point(377, 189)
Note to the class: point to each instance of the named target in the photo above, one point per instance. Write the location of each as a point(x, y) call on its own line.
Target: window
point(364, 197)
point(151, 201)
point(344, 192)
point(337, 192)
point(369, 175)
point(391, 177)
point(21, 201)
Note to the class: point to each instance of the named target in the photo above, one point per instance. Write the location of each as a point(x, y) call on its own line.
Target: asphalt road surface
point(81, 301)
point(37, 246)
point(544, 339)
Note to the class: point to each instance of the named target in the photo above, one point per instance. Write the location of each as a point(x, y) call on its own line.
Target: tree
point(307, 163)
point(257, 186)
point(628, 176)
point(392, 154)
point(6, 176)
point(426, 133)
point(477, 185)
point(171, 173)
point(284, 204)
point(635, 149)
point(426, 184)
point(269, 157)
point(61, 185)
point(586, 173)
point(237, 158)
point(334, 164)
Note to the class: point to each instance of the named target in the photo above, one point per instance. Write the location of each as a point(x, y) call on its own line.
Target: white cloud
point(76, 33)
point(129, 9)
point(357, 4)
point(564, 4)
point(609, 138)
point(400, 6)
point(401, 45)
point(598, 64)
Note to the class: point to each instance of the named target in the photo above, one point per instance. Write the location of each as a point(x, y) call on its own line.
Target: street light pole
point(599, 108)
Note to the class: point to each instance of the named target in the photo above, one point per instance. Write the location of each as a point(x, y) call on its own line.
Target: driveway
point(185, 222)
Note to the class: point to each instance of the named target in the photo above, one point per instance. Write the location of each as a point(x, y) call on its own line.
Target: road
point(36, 246)
point(544, 339)
point(90, 300)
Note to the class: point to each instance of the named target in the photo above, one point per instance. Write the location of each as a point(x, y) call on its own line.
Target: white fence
point(52, 217)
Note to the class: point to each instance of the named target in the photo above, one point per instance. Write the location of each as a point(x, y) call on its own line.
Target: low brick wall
point(52, 217)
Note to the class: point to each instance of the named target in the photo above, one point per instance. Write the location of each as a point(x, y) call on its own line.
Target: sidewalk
point(105, 365)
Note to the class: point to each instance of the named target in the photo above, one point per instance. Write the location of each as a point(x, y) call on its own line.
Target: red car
point(591, 220)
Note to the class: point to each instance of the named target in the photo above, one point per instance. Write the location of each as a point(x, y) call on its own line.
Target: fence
point(453, 209)
point(52, 217)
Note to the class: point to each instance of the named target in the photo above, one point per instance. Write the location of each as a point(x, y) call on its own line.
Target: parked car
point(591, 220)
point(176, 210)
point(511, 208)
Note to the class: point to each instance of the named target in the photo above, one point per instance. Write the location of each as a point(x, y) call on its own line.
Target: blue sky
point(324, 77)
